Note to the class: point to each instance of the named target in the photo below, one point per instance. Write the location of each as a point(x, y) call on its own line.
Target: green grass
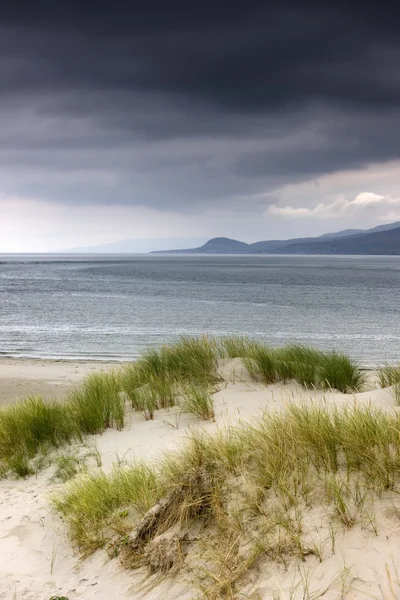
point(32, 424)
point(300, 363)
point(235, 346)
point(97, 404)
point(198, 401)
point(29, 425)
point(244, 491)
point(156, 381)
point(306, 365)
point(339, 372)
point(95, 504)
point(189, 360)
point(389, 375)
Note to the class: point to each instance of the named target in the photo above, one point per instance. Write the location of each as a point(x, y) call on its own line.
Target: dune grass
point(97, 404)
point(197, 401)
point(93, 505)
point(339, 372)
point(188, 360)
point(235, 346)
point(245, 492)
point(389, 375)
point(156, 381)
point(308, 366)
point(34, 423)
point(29, 425)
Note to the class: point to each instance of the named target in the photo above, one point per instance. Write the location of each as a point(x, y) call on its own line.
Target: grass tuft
point(198, 401)
point(28, 426)
point(93, 503)
point(235, 347)
point(306, 365)
point(341, 373)
point(389, 375)
point(97, 404)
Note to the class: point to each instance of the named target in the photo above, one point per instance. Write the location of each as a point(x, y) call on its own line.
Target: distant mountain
point(223, 245)
point(139, 246)
point(340, 234)
point(384, 239)
point(385, 227)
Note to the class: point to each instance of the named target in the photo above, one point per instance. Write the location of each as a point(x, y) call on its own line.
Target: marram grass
point(244, 491)
point(156, 382)
point(34, 423)
point(97, 403)
point(308, 366)
point(198, 401)
point(389, 375)
point(27, 425)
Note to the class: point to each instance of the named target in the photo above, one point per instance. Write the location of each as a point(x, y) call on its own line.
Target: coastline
point(21, 377)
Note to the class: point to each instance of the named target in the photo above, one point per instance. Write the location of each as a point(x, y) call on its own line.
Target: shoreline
point(51, 378)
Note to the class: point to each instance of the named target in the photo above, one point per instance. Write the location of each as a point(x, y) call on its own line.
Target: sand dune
point(36, 559)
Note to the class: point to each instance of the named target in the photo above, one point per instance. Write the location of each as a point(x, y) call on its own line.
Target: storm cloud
point(185, 108)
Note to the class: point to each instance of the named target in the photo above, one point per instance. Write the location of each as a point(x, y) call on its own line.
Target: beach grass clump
point(260, 362)
point(68, 465)
point(339, 372)
point(154, 381)
point(147, 391)
point(97, 403)
point(191, 360)
point(28, 425)
point(389, 375)
point(308, 366)
point(298, 362)
point(130, 381)
point(198, 401)
point(92, 502)
point(235, 346)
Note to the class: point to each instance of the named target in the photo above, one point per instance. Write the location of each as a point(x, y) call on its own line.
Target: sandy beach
point(37, 561)
point(21, 377)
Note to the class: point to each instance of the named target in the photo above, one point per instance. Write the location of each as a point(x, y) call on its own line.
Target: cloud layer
point(195, 109)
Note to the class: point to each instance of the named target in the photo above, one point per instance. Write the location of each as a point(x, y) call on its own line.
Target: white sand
point(20, 377)
point(37, 562)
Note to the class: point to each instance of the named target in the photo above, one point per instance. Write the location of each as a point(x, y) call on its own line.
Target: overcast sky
point(177, 119)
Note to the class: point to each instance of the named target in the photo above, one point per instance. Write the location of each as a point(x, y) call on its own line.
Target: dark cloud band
point(193, 102)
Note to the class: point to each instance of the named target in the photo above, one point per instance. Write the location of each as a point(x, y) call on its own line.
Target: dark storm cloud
point(178, 101)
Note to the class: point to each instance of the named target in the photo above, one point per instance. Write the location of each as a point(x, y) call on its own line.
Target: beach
point(21, 377)
point(38, 561)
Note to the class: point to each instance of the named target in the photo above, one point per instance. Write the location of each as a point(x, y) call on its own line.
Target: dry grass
point(245, 492)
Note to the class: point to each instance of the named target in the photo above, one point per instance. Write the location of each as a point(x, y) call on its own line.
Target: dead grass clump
point(166, 552)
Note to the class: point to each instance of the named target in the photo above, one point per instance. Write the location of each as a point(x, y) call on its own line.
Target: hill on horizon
point(383, 239)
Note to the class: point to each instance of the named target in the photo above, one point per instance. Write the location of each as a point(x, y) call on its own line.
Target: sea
point(113, 307)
